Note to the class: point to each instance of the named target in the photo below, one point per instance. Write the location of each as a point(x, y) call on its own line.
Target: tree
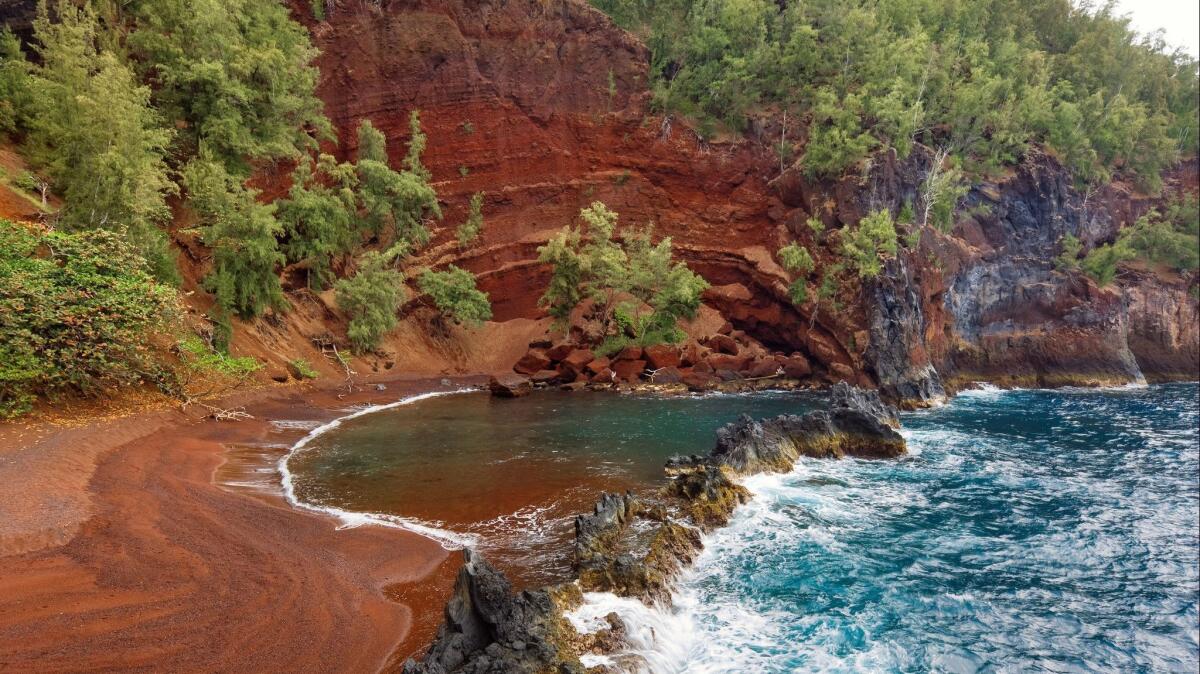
point(1068, 259)
point(470, 229)
point(92, 131)
point(236, 74)
point(319, 216)
point(864, 245)
point(455, 294)
point(371, 299)
point(15, 103)
point(395, 200)
point(243, 235)
point(636, 290)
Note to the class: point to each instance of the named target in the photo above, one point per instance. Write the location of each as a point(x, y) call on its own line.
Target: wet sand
point(119, 550)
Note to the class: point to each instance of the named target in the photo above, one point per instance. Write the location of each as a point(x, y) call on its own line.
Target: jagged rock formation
point(635, 547)
point(489, 629)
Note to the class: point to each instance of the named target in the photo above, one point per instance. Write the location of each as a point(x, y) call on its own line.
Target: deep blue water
point(1030, 531)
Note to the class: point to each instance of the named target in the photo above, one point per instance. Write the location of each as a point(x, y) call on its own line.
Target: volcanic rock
point(509, 386)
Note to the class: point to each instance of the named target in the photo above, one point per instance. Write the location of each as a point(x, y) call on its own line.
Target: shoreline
point(157, 565)
point(172, 568)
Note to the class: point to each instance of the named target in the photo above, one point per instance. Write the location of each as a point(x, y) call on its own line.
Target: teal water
point(513, 474)
point(1044, 531)
point(1031, 531)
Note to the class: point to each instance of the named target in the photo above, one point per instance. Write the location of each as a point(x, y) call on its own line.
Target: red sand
point(119, 552)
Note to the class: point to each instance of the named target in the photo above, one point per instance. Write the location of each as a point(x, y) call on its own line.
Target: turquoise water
point(1044, 531)
point(1031, 531)
point(512, 474)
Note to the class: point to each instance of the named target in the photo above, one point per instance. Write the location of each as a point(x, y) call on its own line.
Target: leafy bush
point(588, 263)
point(864, 245)
point(455, 294)
point(796, 258)
point(243, 236)
point(303, 368)
point(470, 229)
point(79, 310)
point(370, 298)
point(199, 356)
point(1068, 259)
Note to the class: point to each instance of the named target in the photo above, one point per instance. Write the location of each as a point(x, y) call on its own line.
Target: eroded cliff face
point(544, 106)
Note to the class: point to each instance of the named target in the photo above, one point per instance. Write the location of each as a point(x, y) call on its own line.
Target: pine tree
point(371, 299)
point(455, 294)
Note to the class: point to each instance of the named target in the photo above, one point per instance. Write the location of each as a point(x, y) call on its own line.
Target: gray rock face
point(489, 630)
point(593, 532)
point(857, 423)
point(897, 349)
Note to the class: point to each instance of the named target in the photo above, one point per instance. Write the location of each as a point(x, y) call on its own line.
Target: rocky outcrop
point(1163, 326)
point(489, 629)
point(510, 386)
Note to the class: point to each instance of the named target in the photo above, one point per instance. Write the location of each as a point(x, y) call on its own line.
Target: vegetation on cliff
point(981, 80)
point(1170, 237)
point(144, 114)
point(637, 292)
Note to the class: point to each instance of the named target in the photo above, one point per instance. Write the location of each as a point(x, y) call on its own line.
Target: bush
point(588, 263)
point(79, 312)
point(864, 245)
point(198, 356)
point(303, 368)
point(370, 298)
point(455, 294)
point(470, 229)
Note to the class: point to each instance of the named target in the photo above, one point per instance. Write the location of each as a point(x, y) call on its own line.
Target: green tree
point(92, 132)
point(319, 216)
point(637, 291)
point(15, 102)
point(455, 294)
point(1068, 259)
point(236, 74)
point(395, 200)
point(470, 229)
point(864, 246)
point(243, 235)
point(370, 299)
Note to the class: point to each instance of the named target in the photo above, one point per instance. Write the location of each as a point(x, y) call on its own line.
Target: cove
point(514, 473)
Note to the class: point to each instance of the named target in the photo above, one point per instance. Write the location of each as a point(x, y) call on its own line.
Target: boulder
point(546, 377)
point(691, 353)
point(724, 361)
point(698, 381)
point(795, 366)
point(763, 368)
point(559, 351)
point(599, 365)
point(604, 376)
point(629, 353)
point(577, 360)
point(667, 375)
point(661, 355)
point(509, 386)
point(723, 344)
point(629, 370)
point(534, 360)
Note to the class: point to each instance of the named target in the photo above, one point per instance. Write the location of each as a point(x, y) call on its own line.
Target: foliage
point(237, 75)
point(303, 368)
point(92, 131)
point(242, 234)
point(796, 258)
point(632, 282)
point(319, 216)
point(455, 294)
point(1170, 238)
point(78, 311)
point(470, 229)
point(1102, 262)
point(1068, 259)
point(981, 79)
point(371, 299)
point(398, 200)
point(14, 83)
point(864, 245)
point(198, 356)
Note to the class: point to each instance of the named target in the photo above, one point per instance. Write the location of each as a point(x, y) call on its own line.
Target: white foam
point(451, 540)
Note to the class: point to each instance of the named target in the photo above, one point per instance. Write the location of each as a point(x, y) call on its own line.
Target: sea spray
point(451, 540)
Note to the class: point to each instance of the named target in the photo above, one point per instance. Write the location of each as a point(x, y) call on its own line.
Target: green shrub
point(455, 294)
point(79, 314)
point(588, 263)
point(470, 229)
point(303, 368)
point(864, 246)
point(199, 356)
point(371, 299)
